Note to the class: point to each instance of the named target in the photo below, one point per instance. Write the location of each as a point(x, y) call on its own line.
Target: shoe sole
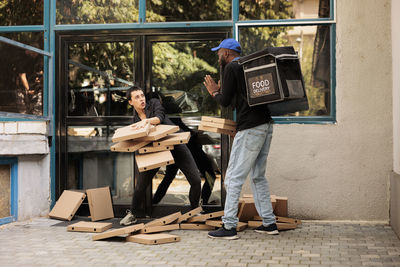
point(275, 232)
point(224, 237)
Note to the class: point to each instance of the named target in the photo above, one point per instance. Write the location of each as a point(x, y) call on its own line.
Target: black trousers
point(184, 161)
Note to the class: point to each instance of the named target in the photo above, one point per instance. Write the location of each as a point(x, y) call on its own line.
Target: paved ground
point(43, 241)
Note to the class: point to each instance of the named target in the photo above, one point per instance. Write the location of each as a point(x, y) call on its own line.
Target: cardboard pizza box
point(218, 120)
point(154, 160)
point(247, 210)
point(151, 149)
point(94, 227)
point(189, 214)
point(173, 139)
point(219, 125)
point(216, 130)
point(128, 133)
point(100, 203)
point(164, 220)
point(281, 219)
point(196, 226)
point(204, 217)
point(67, 205)
point(118, 232)
point(281, 206)
point(128, 145)
point(157, 229)
point(153, 239)
point(161, 131)
point(218, 223)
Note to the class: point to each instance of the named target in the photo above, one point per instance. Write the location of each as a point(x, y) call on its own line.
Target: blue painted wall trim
point(13, 162)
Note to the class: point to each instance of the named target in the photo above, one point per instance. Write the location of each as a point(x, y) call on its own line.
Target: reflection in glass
point(189, 10)
point(100, 12)
point(99, 75)
point(312, 44)
point(91, 164)
point(283, 9)
point(21, 75)
point(21, 12)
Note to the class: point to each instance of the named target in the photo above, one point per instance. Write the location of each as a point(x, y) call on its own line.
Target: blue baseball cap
point(230, 43)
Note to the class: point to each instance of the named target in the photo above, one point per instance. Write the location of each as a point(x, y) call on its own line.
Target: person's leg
point(245, 149)
point(207, 186)
point(259, 183)
point(184, 160)
point(162, 188)
point(143, 181)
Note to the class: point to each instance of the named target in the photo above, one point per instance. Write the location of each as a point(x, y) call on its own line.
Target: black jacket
point(153, 109)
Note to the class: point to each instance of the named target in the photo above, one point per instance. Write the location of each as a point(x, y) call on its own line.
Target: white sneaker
point(128, 219)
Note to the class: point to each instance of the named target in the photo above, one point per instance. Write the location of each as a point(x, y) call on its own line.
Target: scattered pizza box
point(218, 223)
point(94, 227)
point(161, 131)
point(196, 226)
point(67, 205)
point(128, 145)
point(128, 133)
point(164, 220)
point(281, 219)
point(247, 210)
point(204, 217)
point(151, 149)
point(173, 139)
point(189, 214)
point(216, 130)
point(218, 120)
point(157, 229)
point(219, 125)
point(154, 160)
point(153, 239)
point(118, 232)
point(100, 203)
point(281, 206)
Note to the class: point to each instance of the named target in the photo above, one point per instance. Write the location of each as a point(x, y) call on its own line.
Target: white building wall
point(341, 171)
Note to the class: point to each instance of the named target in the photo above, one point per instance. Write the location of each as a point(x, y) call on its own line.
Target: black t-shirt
point(153, 109)
point(234, 93)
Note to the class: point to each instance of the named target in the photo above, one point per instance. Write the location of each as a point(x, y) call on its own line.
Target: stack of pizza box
point(153, 143)
point(217, 125)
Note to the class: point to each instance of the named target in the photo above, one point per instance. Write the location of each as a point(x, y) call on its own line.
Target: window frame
point(13, 162)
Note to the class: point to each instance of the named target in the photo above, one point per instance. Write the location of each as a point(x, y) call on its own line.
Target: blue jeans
point(249, 156)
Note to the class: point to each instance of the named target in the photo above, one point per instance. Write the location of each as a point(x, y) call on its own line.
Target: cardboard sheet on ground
point(94, 227)
point(204, 217)
point(154, 160)
point(129, 145)
point(189, 214)
point(67, 205)
point(173, 139)
point(151, 149)
point(161, 228)
point(118, 232)
point(164, 220)
point(128, 133)
point(100, 203)
point(153, 239)
point(161, 131)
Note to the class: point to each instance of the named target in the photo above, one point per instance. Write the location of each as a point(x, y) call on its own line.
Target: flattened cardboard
point(127, 133)
point(218, 120)
point(215, 130)
point(153, 239)
point(67, 204)
point(161, 131)
point(151, 149)
point(196, 226)
point(173, 139)
point(100, 204)
point(93, 227)
point(154, 160)
point(218, 223)
point(157, 229)
point(164, 220)
point(128, 145)
point(189, 214)
point(204, 217)
point(219, 125)
point(119, 232)
point(281, 207)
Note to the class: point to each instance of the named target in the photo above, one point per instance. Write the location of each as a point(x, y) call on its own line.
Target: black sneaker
point(271, 229)
point(223, 233)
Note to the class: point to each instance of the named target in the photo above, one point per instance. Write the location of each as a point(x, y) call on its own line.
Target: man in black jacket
point(250, 146)
point(153, 112)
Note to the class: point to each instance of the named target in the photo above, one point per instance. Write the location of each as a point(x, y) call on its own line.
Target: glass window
point(312, 44)
point(283, 9)
point(21, 75)
point(99, 75)
point(100, 12)
point(91, 164)
point(189, 10)
point(5, 191)
point(21, 12)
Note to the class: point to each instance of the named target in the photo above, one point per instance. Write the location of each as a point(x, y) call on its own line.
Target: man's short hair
point(132, 89)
